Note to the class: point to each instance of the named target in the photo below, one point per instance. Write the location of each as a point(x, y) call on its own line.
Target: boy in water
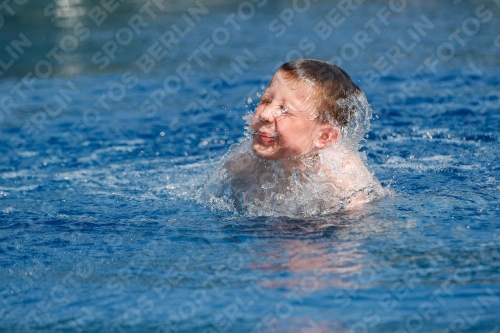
point(304, 137)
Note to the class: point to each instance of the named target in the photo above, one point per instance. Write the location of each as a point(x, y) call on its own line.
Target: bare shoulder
point(346, 170)
point(350, 178)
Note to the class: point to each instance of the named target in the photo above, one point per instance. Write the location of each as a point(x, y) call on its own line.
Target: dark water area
point(113, 114)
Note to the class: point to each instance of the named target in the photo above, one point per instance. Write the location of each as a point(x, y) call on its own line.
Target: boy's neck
point(304, 163)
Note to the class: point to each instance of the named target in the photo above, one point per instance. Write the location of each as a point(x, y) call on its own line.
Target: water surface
point(100, 168)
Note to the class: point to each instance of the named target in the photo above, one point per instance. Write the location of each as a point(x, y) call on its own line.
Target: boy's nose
point(266, 114)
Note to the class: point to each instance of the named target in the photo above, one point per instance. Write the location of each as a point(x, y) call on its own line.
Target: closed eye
point(281, 111)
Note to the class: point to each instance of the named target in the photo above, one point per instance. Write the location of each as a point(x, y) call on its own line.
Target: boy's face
point(284, 124)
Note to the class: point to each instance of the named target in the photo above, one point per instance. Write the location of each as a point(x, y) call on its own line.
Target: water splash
point(360, 113)
point(332, 179)
point(246, 184)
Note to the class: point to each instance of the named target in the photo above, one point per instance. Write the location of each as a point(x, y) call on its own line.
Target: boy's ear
point(327, 135)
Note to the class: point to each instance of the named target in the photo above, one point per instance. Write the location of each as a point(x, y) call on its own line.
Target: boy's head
point(303, 109)
point(331, 85)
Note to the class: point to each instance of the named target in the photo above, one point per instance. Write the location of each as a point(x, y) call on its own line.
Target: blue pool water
point(101, 229)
